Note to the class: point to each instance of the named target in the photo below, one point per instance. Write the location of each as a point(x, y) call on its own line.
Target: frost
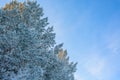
point(27, 46)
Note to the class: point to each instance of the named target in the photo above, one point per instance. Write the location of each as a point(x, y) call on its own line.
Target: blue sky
point(90, 32)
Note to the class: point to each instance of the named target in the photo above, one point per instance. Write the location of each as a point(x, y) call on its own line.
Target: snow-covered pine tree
point(27, 45)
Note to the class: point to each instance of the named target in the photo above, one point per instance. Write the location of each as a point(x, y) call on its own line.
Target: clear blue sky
point(90, 31)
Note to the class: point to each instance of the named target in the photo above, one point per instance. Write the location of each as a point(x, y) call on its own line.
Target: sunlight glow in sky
point(90, 32)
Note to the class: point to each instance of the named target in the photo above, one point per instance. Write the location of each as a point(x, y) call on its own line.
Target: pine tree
point(27, 45)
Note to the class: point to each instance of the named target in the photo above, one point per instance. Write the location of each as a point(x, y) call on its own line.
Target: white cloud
point(95, 65)
point(78, 77)
point(114, 43)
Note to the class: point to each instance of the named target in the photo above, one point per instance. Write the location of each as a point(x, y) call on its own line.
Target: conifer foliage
point(27, 45)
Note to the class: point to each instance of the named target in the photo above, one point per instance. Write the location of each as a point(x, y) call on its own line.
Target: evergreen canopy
point(27, 45)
